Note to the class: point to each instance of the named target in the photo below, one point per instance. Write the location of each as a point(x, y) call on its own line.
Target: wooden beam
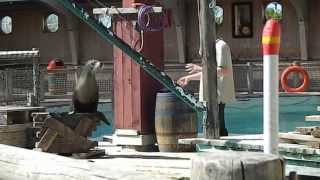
point(111, 11)
point(209, 70)
point(18, 163)
point(47, 139)
point(179, 16)
point(312, 118)
point(306, 130)
point(298, 137)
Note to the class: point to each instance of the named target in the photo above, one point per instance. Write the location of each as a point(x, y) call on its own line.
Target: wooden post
point(232, 165)
point(293, 175)
point(209, 70)
point(9, 86)
point(250, 78)
point(36, 79)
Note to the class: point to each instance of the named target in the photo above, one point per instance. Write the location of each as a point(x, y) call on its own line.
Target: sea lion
point(85, 97)
point(86, 93)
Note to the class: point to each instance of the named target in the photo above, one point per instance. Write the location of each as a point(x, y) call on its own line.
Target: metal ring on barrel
point(298, 69)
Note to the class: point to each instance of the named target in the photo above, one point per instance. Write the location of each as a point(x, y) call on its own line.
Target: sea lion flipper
point(103, 118)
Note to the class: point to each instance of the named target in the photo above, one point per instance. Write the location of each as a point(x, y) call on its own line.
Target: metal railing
point(15, 84)
point(19, 75)
point(249, 77)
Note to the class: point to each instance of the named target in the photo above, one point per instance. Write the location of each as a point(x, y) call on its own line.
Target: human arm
point(183, 81)
point(193, 68)
point(223, 71)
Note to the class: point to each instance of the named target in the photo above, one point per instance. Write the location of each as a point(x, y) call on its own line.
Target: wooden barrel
point(174, 120)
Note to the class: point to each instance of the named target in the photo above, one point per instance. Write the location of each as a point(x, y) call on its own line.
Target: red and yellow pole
point(271, 47)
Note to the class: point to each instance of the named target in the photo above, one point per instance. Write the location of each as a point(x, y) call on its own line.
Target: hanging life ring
point(298, 69)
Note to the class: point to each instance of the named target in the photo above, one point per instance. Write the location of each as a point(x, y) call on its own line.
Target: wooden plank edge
point(111, 11)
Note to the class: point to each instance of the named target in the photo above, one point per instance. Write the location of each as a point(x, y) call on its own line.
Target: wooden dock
point(19, 163)
point(117, 163)
point(300, 158)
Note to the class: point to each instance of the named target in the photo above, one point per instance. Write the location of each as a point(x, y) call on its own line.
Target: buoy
point(295, 69)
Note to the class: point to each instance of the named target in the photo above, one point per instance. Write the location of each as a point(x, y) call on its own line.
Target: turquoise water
point(243, 116)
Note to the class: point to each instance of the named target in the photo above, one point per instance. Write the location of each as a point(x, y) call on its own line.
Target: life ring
point(298, 69)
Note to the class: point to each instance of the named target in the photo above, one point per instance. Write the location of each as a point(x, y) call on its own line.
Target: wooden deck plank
point(315, 118)
point(112, 11)
point(18, 163)
point(299, 137)
point(256, 145)
point(20, 108)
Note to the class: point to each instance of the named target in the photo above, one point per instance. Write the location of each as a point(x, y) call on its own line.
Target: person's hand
point(193, 68)
point(183, 81)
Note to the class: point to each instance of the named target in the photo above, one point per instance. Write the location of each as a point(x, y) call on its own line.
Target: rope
point(144, 23)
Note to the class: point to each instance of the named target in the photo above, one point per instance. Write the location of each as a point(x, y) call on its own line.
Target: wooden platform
point(17, 114)
point(118, 163)
point(112, 11)
point(19, 108)
point(312, 118)
point(295, 154)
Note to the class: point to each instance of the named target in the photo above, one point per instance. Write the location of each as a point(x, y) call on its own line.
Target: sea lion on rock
point(85, 98)
point(86, 93)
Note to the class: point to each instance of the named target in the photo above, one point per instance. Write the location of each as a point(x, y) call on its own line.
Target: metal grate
point(13, 56)
point(249, 77)
point(19, 76)
point(15, 84)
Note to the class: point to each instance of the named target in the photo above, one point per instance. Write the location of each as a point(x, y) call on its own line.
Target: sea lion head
point(86, 92)
point(93, 65)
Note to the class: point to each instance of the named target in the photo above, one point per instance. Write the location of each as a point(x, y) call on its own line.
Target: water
point(243, 116)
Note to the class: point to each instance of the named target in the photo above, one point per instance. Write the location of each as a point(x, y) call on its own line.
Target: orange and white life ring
point(298, 69)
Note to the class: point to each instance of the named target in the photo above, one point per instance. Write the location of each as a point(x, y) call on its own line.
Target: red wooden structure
point(134, 90)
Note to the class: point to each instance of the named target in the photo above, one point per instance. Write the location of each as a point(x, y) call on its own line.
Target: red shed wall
point(134, 90)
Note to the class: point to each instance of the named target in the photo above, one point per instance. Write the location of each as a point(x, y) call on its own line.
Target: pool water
point(243, 116)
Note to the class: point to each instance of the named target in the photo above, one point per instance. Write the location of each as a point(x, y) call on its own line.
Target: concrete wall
point(246, 48)
point(92, 46)
point(27, 33)
point(314, 29)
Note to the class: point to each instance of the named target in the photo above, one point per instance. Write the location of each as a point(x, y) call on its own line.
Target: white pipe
point(271, 103)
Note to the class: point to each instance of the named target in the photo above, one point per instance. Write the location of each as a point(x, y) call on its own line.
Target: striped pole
point(271, 46)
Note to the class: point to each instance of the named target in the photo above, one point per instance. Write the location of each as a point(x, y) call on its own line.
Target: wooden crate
point(14, 135)
point(17, 114)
